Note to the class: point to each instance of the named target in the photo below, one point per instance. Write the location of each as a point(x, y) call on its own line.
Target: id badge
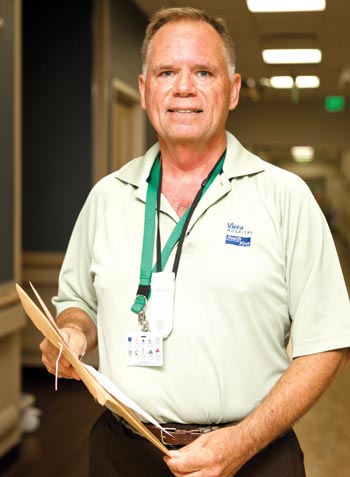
point(160, 308)
point(144, 348)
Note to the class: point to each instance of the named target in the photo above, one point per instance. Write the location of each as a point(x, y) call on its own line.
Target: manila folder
point(46, 324)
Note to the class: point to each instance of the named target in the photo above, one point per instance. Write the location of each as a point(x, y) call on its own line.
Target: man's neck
point(179, 160)
point(184, 169)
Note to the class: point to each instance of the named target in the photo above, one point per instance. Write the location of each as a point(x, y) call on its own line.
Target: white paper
point(118, 394)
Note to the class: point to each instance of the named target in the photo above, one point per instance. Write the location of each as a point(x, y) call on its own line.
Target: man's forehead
point(190, 35)
point(186, 28)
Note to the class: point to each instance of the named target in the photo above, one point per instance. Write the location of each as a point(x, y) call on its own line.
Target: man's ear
point(141, 80)
point(235, 89)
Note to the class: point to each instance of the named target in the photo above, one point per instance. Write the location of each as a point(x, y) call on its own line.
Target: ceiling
point(328, 30)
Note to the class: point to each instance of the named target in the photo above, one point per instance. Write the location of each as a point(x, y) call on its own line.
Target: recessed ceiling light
point(286, 5)
point(292, 56)
point(287, 82)
point(307, 81)
point(303, 153)
point(281, 82)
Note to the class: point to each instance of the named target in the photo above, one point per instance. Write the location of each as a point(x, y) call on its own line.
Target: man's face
point(187, 91)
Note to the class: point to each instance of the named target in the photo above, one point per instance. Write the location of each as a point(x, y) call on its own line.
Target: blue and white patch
point(237, 240)
point(238, 235)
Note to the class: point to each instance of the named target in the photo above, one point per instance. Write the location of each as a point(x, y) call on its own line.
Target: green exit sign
point(334, 104)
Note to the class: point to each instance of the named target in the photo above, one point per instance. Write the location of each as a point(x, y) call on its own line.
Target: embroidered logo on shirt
point(238, 235)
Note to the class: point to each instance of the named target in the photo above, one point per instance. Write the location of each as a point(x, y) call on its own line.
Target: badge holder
point(160, 308)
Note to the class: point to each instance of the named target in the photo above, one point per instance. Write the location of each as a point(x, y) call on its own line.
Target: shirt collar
point(136, 172)
point(239, 162)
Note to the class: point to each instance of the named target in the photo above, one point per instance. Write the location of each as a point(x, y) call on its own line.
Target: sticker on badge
point(144, 349)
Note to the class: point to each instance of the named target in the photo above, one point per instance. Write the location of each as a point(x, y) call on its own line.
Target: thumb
point(76, 340)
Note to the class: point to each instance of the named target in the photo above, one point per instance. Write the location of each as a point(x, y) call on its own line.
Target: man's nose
point(185, 84)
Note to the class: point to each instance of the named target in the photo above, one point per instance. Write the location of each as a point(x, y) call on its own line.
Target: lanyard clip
point(143, 321)
point(139, 304)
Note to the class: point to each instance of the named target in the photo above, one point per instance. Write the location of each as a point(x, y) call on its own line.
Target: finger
point(182, 465)
point(63, 372)
point(75, 375)
point(49, 359)
point(77, 344)
point(50, 355)
point(64, 363)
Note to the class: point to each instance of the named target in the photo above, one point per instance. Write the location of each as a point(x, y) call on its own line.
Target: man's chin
point(184, 133)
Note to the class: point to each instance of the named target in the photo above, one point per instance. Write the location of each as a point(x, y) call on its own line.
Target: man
point(251, 257)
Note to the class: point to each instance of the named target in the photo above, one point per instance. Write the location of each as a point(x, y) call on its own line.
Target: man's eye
point(203, 74)
point(166, 74)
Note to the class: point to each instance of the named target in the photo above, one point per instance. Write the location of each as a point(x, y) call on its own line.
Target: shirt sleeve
point(76, 288)
point(318, 300)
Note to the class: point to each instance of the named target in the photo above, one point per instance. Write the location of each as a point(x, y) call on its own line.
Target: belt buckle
point(194, 432)
point(173, 430)
point(164, 436)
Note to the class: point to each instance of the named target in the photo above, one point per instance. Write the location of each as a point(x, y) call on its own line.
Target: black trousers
point(116, 451)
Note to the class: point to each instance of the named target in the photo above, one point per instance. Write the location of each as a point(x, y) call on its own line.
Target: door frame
point(131, 95)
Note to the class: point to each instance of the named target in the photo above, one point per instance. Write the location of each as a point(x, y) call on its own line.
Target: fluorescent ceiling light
point(287, 82)
point(286, 5)
point(281, 82)
point(292, 56)
point(303, 153)
point(307, 81)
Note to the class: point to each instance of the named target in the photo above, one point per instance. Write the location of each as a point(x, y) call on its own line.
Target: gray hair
point(173, 15)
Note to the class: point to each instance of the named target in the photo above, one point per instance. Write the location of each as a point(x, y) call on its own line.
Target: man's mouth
point(185, 111)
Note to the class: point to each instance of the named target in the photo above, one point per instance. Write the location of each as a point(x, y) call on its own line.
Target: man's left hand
point(216, 454)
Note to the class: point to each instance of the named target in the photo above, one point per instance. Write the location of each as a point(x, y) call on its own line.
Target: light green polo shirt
point(258, 265)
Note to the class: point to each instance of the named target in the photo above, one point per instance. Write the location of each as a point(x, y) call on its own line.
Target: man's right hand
point(77, 342)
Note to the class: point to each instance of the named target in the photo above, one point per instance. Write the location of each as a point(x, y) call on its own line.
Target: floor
point(59, 447)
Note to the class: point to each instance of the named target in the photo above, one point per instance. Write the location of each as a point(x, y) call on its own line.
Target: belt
point(180, 434)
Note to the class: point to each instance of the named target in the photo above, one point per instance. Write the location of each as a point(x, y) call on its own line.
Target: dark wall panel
point(57, 69)
point(6, 143)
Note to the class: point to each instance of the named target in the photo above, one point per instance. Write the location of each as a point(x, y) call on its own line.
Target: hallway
point(324, 432)
point(69, 101)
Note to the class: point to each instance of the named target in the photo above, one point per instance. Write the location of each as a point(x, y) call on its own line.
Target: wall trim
point(41, 268)
point(17, 105)
point(12, 319)
point(100, 89)
point(10, 430)
point(124, 91)
point(8, 294)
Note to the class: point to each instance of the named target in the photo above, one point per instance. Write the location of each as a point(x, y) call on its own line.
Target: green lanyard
point(177, 235)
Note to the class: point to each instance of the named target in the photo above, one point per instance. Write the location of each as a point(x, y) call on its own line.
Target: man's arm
point(80, 334)
point(222, 453)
